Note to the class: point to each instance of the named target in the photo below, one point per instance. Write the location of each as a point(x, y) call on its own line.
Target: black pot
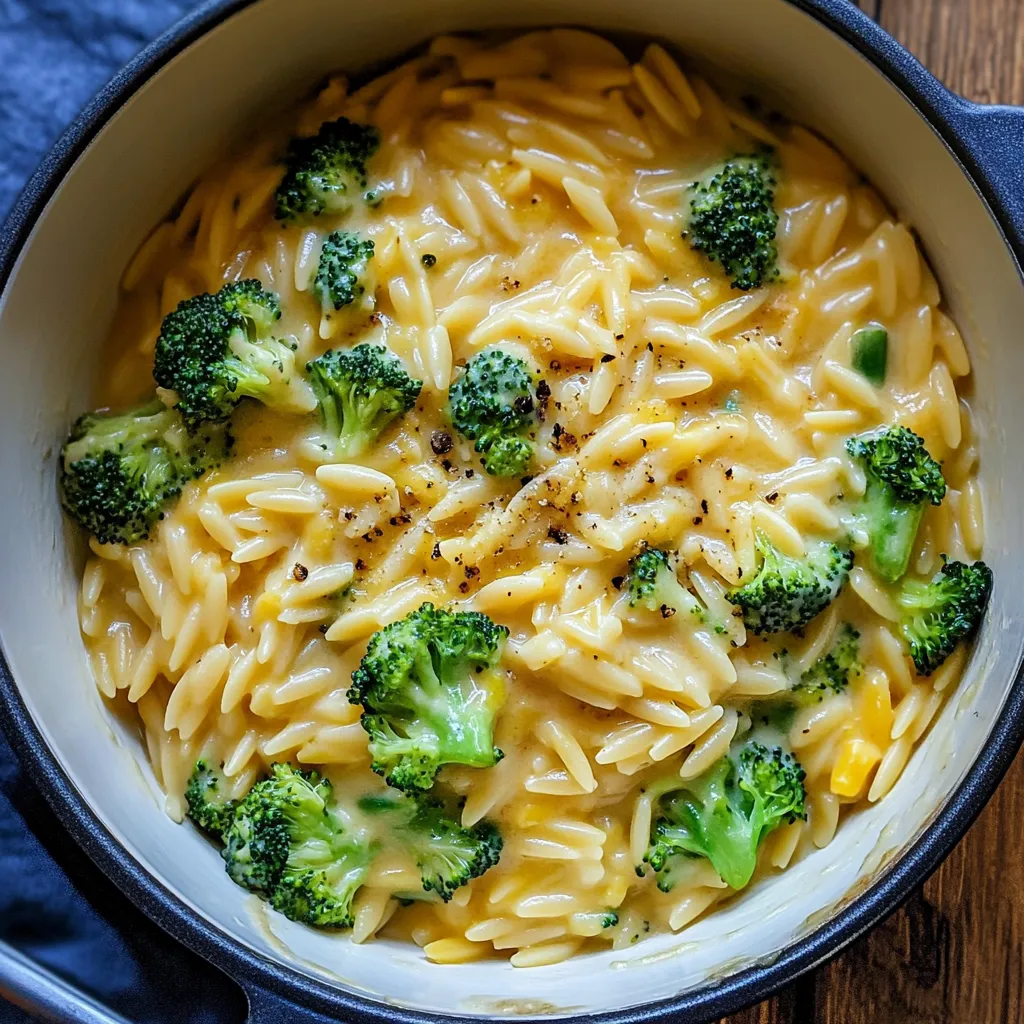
point(987, 143)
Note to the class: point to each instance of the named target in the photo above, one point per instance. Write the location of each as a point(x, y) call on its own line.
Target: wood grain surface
point(955, 953)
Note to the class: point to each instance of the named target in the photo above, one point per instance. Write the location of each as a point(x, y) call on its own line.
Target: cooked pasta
point(533, 196)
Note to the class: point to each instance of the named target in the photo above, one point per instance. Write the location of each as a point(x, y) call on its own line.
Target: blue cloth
point(54, 904)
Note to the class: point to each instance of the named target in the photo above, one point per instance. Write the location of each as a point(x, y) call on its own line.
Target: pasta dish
point(532, 499)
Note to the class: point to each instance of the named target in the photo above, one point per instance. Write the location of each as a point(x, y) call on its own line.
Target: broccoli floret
point(725, 814)
point(359, 392)
point(938, 614)
point(447, 855)
point(326, 172)
point(733, 220)
point(286, 844)
point(492, 404)
point(214, 350)
point(343, 273)
point(204, 795)
point(119, 471)
point(901, 479)
point(430, 694)
point(610, 919)
point(652, 583)
point(831, 672)
point(788, 592)
point(777, 712)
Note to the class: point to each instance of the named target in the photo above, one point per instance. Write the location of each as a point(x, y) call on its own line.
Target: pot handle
point(995, 137)
point(46, 996)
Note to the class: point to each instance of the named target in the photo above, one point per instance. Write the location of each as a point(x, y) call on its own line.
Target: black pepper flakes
point(471, 571)
point(360, 565)
point(772, 498)
point(561, 438)
point(557, 535)
point(617, 582)
point(436, 553)
point(543, 397)
point(704, 505)
point(428, 259)
point(299, 572)
point(441, 442)
point(608, 357)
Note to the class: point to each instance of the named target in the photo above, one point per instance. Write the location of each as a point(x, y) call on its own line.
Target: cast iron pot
point(950, 168)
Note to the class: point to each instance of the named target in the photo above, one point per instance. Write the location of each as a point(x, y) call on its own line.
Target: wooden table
point(955, 953)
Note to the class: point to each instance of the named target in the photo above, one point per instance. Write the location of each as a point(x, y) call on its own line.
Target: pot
point(949, 167)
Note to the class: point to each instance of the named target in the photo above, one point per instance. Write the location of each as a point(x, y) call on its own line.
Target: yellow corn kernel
point(319, 534)
point(857, 756)
point(875, 707)
point(532, 814)
point(267, 606)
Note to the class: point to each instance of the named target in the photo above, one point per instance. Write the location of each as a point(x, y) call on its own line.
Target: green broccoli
point(326, 172)
point(287, 844)
point(214, 350)
point(831, 672)
point(652, 583)
point(938, 614)
point(492, 404)
point(119, 471)
point(448, 856)
point(359, 392)
point(430, 692)
point(869, 353)
point(788, 592)
point(733, 220)
point(343, 272)
point(204, 795)
point(901, 479)
point(725, 814)
point(610, 919)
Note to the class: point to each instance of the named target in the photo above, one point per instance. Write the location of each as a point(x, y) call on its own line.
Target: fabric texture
point(54, 903)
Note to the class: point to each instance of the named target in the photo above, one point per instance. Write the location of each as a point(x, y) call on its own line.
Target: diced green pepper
point(870, 349)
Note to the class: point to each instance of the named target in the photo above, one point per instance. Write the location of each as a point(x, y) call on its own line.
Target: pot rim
point(939, 108)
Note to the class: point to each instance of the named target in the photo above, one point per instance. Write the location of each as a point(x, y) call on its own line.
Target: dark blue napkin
point(54, 904)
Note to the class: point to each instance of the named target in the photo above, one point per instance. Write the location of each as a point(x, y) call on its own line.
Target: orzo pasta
point(682, 427)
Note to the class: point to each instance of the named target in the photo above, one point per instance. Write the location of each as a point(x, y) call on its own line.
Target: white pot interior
point(128, 178)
